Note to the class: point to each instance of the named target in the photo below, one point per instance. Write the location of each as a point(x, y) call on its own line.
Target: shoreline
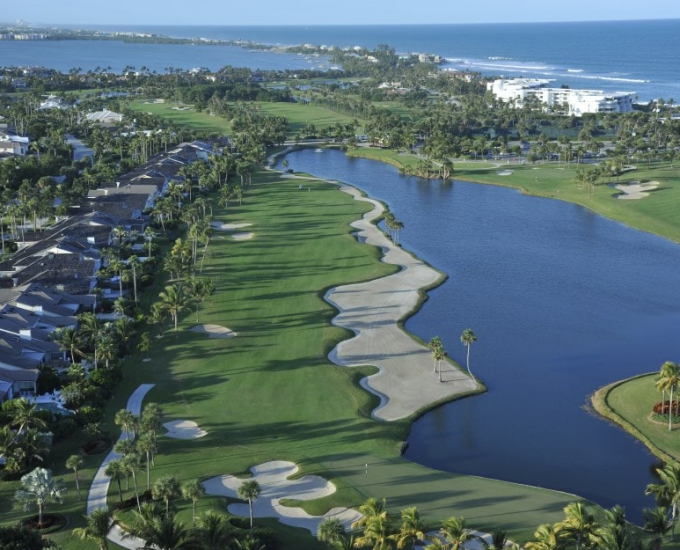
point(374, 311)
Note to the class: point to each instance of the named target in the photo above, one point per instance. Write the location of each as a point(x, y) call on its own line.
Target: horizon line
point(438, 24)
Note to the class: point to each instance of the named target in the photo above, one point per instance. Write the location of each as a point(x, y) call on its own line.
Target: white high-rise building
point(575, 102)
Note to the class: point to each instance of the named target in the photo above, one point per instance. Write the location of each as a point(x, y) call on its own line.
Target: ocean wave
point(499, 58)
point(574, 70)
point(612, 79)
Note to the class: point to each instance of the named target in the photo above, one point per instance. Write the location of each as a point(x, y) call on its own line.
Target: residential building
point(568, 101)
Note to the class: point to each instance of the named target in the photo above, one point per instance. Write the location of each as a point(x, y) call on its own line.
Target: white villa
point(578, 102)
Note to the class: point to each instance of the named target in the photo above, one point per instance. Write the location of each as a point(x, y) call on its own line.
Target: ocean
point(629, 56)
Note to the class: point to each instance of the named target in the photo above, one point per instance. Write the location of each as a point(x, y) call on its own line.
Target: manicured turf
point(270, 393)
point(298, 115)
point(181, 116)
point(630, 403)
point(656, 213)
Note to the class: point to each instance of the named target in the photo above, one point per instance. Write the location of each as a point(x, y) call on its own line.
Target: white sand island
point(275, 486)
point(183, 429)
point(635, 190)
point(214, 331)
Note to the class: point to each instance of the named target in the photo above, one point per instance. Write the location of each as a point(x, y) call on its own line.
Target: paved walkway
point(96, 497)
point(406, 382)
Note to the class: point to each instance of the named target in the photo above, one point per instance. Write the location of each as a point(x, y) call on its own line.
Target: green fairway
point(270, 393)
point(183, 115)
point(656, 213)
point(298, 115)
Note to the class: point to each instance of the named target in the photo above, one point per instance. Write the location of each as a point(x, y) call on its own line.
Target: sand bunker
point(215, 331)
point(229, 226)
point(242, 236)
point(504, 173)
point(183, 429)
point(635, 190)
point(275, 485)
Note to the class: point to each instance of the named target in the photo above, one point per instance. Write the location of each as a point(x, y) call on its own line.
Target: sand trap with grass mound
point(504, 173)
point(229, 226)
point(273, 478)
point(183, 429)
point(215, 331)
point(635, 190)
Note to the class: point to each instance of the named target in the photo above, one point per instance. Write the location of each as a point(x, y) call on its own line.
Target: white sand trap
point(215, 331)
point(275, 485)
point(635, 190)
point(183, 429)
point(504, 173)
point(242, 236)
point(229, 226)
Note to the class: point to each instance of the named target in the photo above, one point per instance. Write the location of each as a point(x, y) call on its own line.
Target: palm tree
point(330, 530)
point(656, 522)
point(667, 493)
point(163, 532)
point(174, 301)
point(578, 525)
point(546, 537)
point(116, 470)
point(75, 462)
point(669, 377)
point(146, 444)
point(434, 344)
point(372, 507)
point(157, 316)
point(132, 464)
point(193, 490)
point(69, 340)
point(456, 533)
point(214, 530)
point(166, 488)
point(39, 487)
point(498, 540)
point(412, 529)
point(152, 418)
point(23, 415)
point(468, 338)
point(97, 529)
point(127, 420)
point(249, 490)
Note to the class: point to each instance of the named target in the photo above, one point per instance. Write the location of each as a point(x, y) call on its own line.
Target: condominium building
point(571, 101)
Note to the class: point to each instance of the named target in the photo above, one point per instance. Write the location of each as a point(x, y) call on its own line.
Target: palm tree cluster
point(161, 530)
point(379, 529)
point(138, 448)
point(394, 226)
point(438, 354)
point(580, 529)
point(667, 381)
point(23, 438)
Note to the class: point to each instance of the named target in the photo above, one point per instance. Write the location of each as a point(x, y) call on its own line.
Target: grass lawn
point(656, 213)
point(271, 393)
point(187, 117)
point(629, 403)
point(298, 115)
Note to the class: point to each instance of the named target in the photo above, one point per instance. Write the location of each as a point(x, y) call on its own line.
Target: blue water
point(637, 56)
point(563, 301)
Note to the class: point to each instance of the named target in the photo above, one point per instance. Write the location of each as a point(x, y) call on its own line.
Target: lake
point(563, 301)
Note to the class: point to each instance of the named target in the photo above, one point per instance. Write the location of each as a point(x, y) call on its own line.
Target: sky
point(324, 12)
